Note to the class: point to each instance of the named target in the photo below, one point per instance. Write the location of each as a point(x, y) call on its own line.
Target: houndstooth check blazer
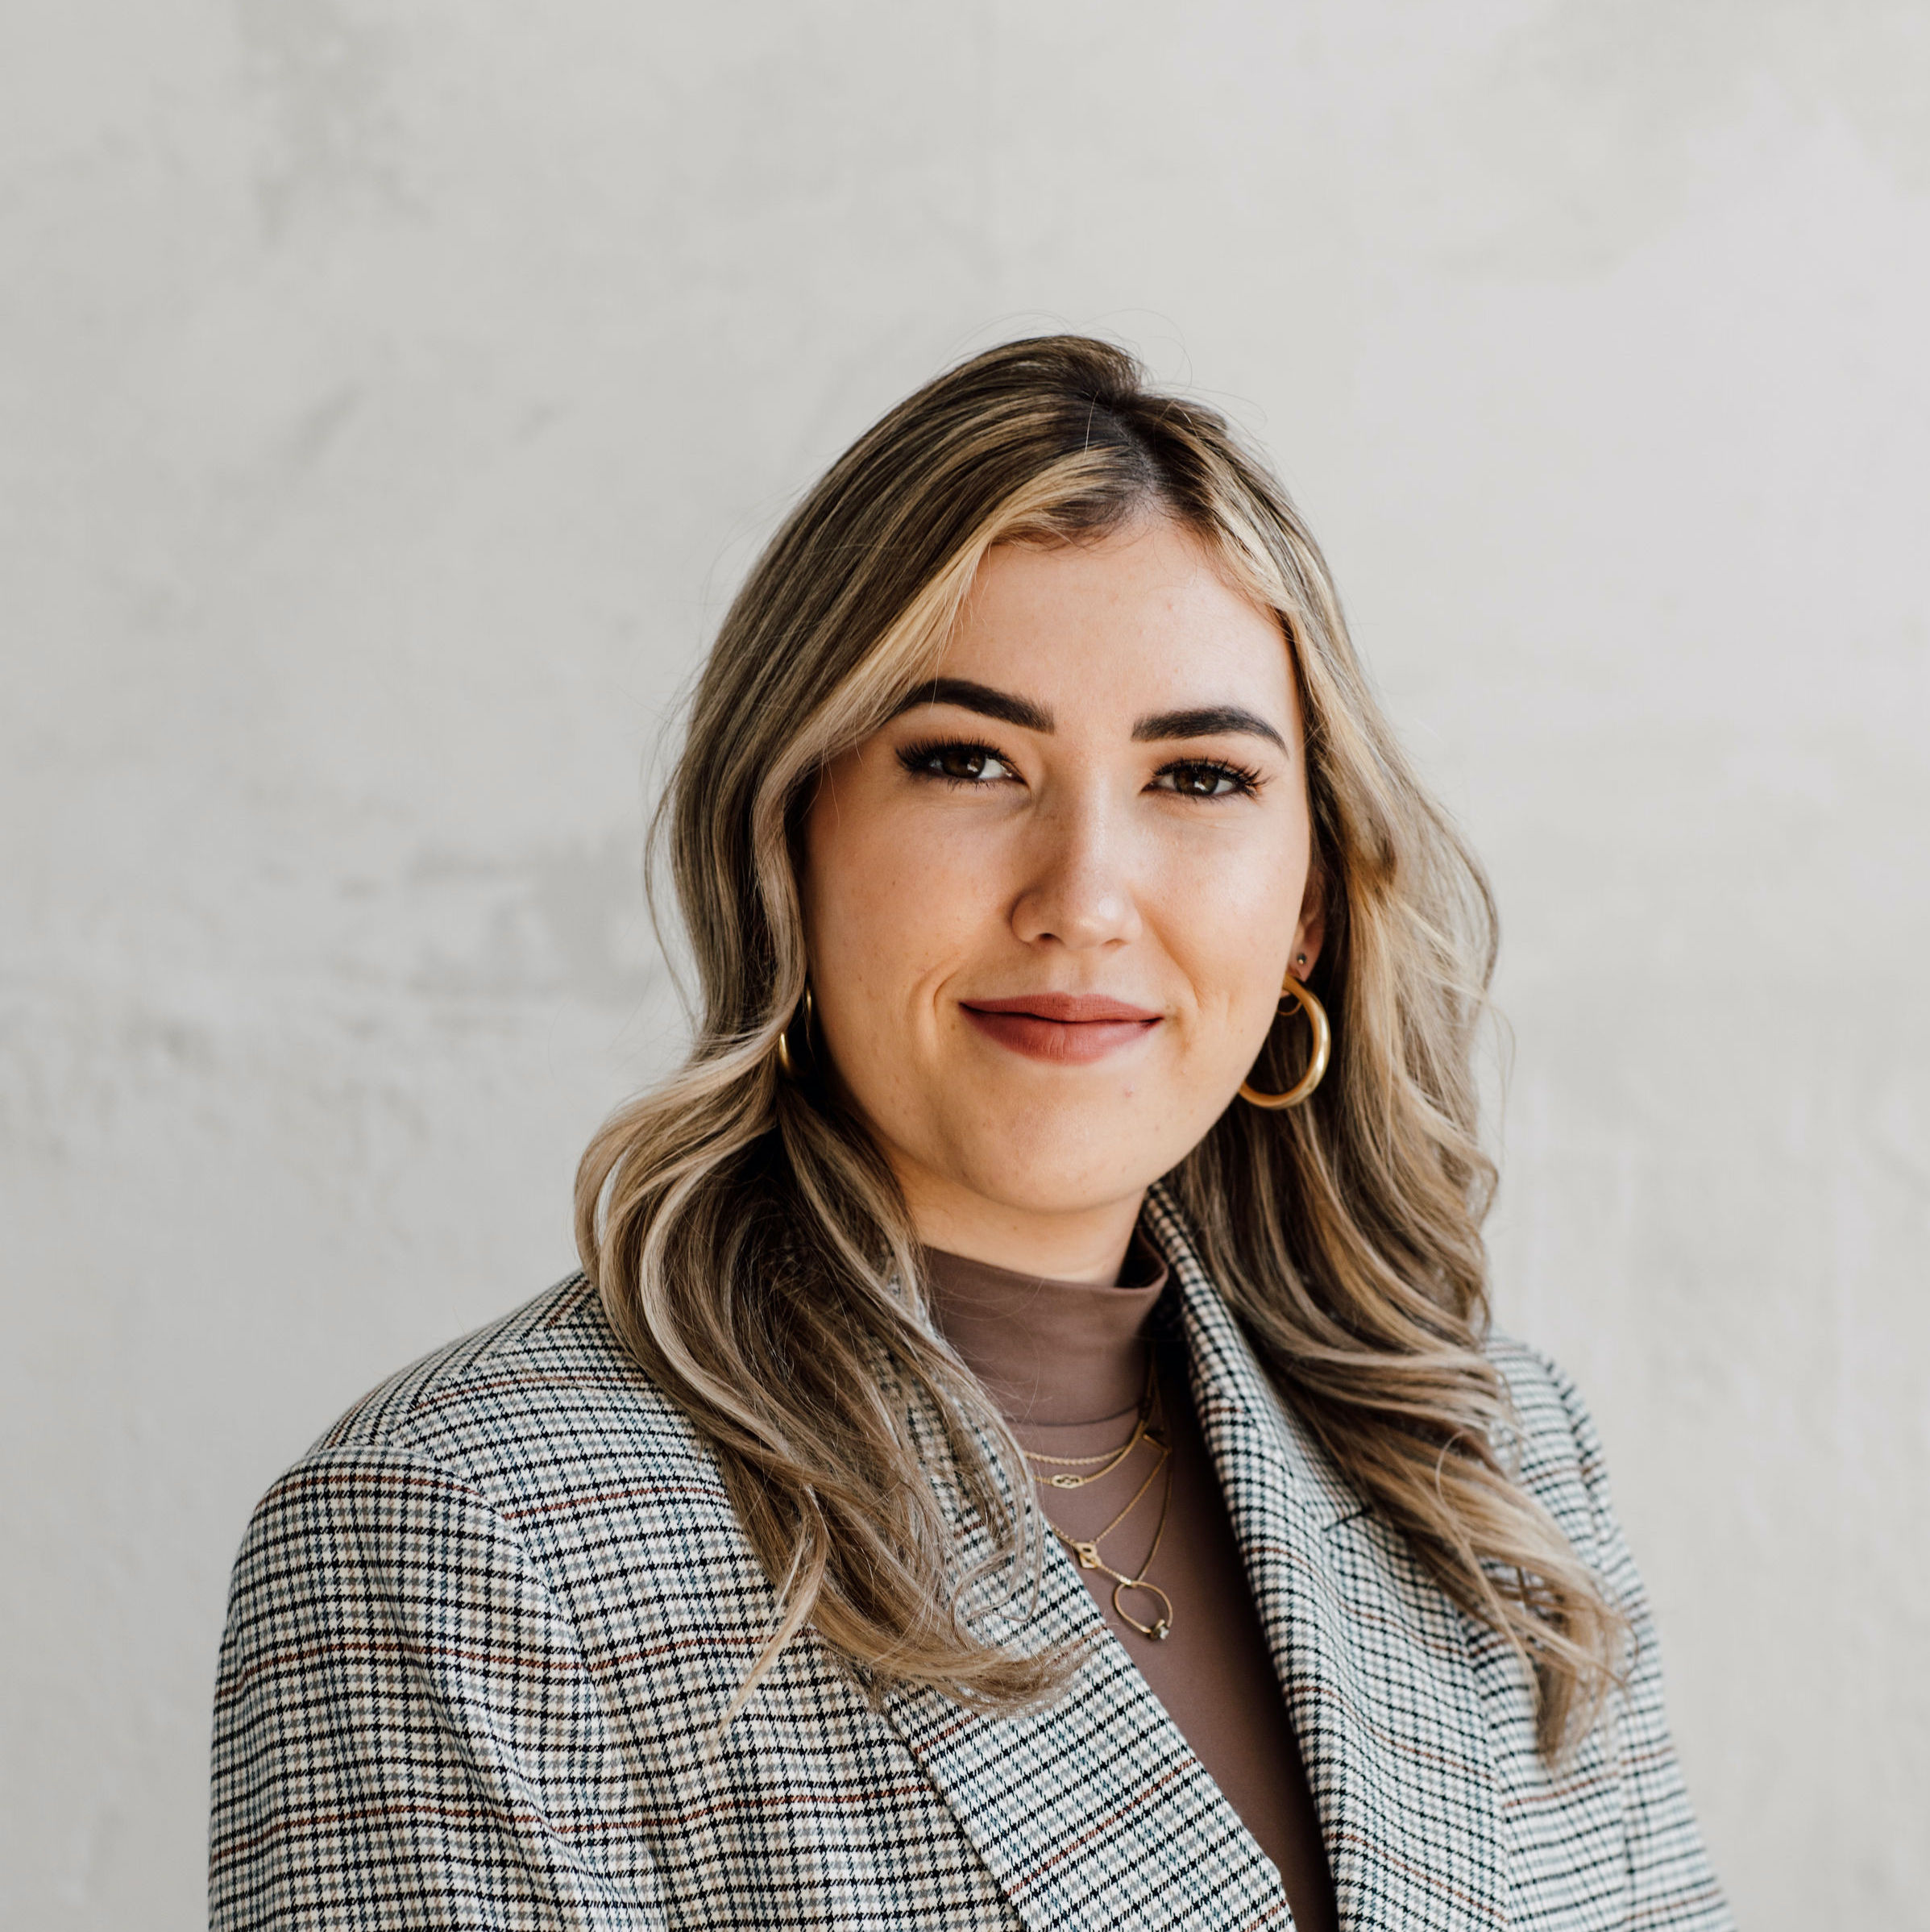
point(481, 1635)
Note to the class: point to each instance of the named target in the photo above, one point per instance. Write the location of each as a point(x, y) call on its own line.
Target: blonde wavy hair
point(751, 1247)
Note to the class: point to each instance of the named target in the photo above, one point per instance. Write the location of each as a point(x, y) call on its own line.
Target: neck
point(1079, 1244)
point(1054, 1353)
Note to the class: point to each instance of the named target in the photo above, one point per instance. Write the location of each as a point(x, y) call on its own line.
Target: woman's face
point(1048, 907)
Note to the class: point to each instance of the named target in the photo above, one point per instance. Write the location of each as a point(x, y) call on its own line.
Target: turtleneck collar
point(1050, 1353)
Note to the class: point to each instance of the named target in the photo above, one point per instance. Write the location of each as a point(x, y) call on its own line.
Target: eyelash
point(918, 759)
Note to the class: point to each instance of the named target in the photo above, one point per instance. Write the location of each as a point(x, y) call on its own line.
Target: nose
point(1078, 888)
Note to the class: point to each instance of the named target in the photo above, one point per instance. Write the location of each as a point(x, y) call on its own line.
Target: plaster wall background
point(390, 397)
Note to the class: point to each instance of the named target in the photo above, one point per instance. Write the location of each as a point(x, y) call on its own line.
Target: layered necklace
point(1078, 1472)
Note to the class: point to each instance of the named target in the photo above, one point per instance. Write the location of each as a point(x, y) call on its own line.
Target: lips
point(1072, 1029)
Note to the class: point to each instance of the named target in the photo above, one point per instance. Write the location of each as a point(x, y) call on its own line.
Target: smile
point(1072, 1029)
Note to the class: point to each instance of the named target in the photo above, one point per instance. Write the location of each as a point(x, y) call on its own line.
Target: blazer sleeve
point(1672, 1884)
point(405, 1730)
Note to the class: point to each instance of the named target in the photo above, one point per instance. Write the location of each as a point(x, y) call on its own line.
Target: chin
point(1048, 1180)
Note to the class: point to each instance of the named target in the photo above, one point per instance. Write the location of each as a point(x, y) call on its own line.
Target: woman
point(1026, 1447)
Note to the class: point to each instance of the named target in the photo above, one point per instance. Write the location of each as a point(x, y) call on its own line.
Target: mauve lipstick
point(1073, 1029)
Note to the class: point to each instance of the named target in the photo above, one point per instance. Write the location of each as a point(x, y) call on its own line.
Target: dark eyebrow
point(1209, 721)
point(981, 698)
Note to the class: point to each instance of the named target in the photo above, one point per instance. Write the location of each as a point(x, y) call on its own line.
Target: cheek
point(879, 899)
point(1231, 928)
point(892, 903)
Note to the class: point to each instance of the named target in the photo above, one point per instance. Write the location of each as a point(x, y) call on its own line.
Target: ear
point(1312, 929)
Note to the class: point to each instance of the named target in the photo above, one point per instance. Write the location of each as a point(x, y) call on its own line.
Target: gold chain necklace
point(1149, 1428)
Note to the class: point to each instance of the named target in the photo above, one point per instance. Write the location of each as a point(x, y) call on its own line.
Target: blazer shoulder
point(512, 1408)
point(532, 1467)
point(1549, 1441)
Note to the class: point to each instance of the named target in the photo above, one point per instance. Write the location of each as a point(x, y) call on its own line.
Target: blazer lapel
point(1092, 1811)
point(1373, 1658)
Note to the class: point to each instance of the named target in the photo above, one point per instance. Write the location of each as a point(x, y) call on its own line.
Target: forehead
point(1141, 619)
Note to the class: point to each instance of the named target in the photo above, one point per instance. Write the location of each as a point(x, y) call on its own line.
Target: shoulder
point(1550, 1443)
point(552, 1363)
point(542, 1419)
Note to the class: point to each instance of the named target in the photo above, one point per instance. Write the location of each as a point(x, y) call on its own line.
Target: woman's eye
point(962, 764)
point(1197, 780)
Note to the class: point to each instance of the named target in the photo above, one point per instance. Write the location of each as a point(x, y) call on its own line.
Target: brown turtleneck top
point(1066, 1363)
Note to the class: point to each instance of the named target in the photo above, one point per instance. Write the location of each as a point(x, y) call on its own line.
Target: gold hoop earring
point(1296, 990)
point(786, 1065)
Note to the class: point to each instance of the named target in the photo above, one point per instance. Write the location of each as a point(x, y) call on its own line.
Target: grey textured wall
point(389, 395)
